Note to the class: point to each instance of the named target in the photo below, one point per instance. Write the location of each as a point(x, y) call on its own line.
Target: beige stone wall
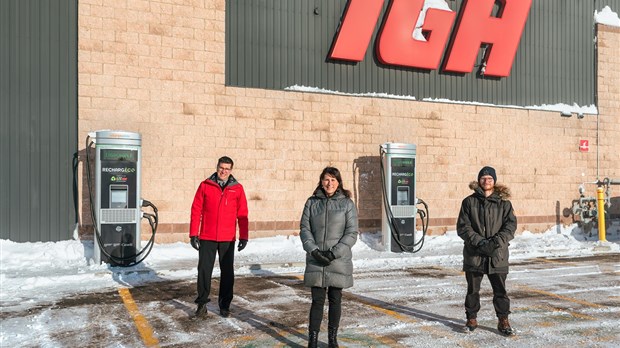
point(158, 68)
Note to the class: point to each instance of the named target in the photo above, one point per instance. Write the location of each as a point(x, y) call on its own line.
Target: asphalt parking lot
point(563, 302)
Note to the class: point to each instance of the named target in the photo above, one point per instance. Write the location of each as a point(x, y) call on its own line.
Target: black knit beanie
point(487, 171)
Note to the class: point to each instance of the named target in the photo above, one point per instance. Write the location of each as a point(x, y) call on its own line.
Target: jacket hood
point(319, 193)
point(500, 189)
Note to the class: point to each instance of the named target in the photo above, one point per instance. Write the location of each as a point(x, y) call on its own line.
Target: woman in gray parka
point(328, 232)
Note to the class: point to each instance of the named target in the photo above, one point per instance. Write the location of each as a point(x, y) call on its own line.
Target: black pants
point(334, 296)
point(206, 261)
point(501, 302)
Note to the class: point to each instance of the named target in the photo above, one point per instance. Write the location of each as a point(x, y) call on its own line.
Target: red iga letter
point(476, 26)
point(360, 19)
point(398, 47)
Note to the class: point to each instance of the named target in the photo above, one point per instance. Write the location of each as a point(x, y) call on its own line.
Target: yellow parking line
point(406, 318)
point(388, 341)
point(385, 311)
point(565, 298)
point(549, 308)
point(546, 260)
point(145, 330)
point(249, 339)
point(376, 307)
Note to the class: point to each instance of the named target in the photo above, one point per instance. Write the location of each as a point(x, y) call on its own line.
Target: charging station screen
point(118, 196)
point(403, 162)
point(402, 196)
point(119, 178)
point(403, 181)
point(119, 155)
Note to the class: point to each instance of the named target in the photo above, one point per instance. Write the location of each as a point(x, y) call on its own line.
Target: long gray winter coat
point(483, 217)
point(329, 224)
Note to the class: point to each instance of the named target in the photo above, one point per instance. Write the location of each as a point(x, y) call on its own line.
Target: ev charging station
point(117, 185)
point(117, 207)
point(398, 173)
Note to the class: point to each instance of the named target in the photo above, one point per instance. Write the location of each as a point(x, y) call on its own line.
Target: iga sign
point(396, 45)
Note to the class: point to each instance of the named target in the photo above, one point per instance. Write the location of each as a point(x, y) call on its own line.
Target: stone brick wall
point(158, 68)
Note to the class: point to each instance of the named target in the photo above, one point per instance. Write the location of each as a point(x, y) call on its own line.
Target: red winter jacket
point(215, 212)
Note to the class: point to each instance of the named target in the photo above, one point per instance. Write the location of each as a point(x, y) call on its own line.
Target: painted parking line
point(257, 340)
point(550, 309)
point(391, 311)
point(384, 340)
point(396, 313)
point(404, 317)
point(560, 297)
point(145, 330)
point(386, 311)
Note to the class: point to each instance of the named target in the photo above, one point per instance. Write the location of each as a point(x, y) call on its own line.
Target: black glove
point(487, 247)
point(242, 244)
point(320, 258)
point(195, 242)
point(329, 255)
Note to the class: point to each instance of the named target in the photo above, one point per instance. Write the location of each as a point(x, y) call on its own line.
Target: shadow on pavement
point(455, 325)
point(277, 331)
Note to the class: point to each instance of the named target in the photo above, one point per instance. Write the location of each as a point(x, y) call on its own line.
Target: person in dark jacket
point(487, 224)
point(219, 204)
point(328, 231)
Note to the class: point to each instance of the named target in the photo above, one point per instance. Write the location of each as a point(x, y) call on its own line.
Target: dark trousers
point(501, 302)
point(334, 296)
point(206, 261)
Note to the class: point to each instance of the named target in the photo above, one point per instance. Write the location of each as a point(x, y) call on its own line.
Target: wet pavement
point(563, 302)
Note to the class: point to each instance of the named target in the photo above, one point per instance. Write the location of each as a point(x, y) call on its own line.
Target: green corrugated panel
point(38, 87)
point(5, 131)
point(288, 41)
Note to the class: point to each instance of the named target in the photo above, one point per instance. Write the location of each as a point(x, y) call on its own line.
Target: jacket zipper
point(484, 219)
point(326, 219)
point(325, 232)
point(486, 260)
point(219, 214)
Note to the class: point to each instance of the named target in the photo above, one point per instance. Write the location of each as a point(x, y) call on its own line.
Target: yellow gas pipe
point(600, 200)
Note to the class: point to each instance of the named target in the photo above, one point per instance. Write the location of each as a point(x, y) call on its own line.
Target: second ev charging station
point(398, 173)
point(117, 207)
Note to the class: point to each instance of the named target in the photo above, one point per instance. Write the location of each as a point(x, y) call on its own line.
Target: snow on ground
point(36, 273)
point(40, 275)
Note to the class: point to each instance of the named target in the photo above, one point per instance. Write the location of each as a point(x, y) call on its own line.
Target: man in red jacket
point(218, 205)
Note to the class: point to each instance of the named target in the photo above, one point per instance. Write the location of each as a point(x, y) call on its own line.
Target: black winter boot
point(471, 324)
point(332, 333)
point(313, 339)
point(201, 311)
point(503, 325)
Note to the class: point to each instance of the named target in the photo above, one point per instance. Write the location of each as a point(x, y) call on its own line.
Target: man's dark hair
point(226, 159)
